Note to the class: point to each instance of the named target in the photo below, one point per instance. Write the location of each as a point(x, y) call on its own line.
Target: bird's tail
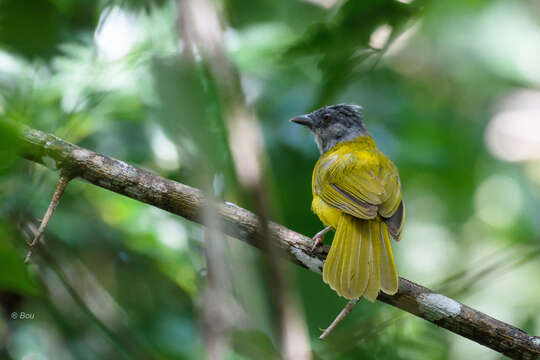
point(360, 262)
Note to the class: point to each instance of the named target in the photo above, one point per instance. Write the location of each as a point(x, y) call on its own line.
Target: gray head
point(333, 124)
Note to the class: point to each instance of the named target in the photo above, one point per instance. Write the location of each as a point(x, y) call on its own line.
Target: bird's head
point(333, 124)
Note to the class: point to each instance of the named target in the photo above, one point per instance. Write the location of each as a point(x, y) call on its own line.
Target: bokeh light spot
point(498, 201)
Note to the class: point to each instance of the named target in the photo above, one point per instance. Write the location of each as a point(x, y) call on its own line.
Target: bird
point(357, 192)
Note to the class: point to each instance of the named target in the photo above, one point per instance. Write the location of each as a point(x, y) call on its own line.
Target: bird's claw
point(319, 237)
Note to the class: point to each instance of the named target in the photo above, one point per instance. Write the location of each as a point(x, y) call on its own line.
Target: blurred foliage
point(57, 21)
point(14, 275)
point(435, 79)
point(342, 43)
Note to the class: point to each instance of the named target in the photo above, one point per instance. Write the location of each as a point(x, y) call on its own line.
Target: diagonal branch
point(188, 202)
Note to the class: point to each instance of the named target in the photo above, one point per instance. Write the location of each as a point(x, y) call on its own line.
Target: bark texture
point(189, 202)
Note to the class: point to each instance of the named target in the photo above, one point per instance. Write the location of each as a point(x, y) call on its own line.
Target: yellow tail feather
point(374, 283)
point(389, 276)
point(360, 262)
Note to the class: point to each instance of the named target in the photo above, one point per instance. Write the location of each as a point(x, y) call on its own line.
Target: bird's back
point(367, 182)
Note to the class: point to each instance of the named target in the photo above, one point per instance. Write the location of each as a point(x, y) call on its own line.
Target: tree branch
point(188, 202)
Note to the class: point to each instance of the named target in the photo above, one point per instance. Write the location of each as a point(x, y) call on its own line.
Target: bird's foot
point(319, 237)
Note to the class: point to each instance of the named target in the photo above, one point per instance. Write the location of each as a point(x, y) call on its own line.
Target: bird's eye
point(326, 118)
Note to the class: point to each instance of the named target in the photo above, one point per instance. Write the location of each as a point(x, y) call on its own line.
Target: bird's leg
point(319, 237)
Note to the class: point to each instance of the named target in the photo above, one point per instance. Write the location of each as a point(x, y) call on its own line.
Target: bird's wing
point(360, 183)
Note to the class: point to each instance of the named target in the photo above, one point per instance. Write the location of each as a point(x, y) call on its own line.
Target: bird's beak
point(303, 120)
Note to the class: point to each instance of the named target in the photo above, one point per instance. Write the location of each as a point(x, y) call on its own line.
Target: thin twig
point(189, 203)
point(342, 315)
point(62, 183)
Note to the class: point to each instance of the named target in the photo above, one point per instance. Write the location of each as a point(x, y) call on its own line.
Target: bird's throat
point(326, 144)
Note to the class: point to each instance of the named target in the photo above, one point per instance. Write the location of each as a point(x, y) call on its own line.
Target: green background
point(453, 98)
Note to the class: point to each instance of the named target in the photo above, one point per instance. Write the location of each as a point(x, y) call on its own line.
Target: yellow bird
point(356, 191)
